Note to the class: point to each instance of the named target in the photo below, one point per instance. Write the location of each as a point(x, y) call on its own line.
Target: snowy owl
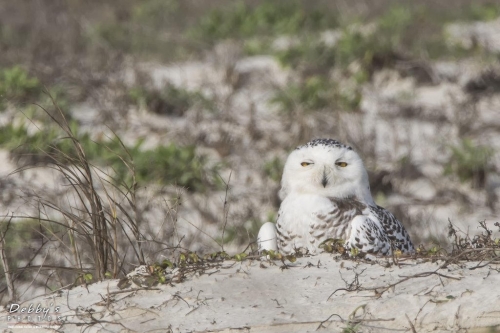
point(326, 194)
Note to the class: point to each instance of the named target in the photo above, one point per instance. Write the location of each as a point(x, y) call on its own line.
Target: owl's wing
point(395, 231)
point(360, 226)
point(334, 220)
point(368, 236)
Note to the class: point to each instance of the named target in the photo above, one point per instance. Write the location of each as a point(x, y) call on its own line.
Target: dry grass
point(91, 234)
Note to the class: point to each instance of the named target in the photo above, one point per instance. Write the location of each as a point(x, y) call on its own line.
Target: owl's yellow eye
point(341, 164)
point(305, 164)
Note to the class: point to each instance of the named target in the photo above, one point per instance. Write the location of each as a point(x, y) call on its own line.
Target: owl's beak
point(324, 179)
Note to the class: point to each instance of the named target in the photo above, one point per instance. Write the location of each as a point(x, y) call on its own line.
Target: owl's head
point(326, 167)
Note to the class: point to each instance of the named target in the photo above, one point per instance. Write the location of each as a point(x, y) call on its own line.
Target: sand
point(310, 295)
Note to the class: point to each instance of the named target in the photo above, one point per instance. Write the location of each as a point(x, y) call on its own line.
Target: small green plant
point(333, 245)
point(170, 164)
point(169, 100)
point(25, 230)
point(310, 53)
point(352, 328)
point(482, 12)
point(274, 169)
point(314, 93)
point(16, 85)
point(22, 239)
point(27, 148)
point(46, 100)
point(318, 93)
point(376, 47)
point(245, 233)
point(353, 45)
point(469, 162)
point(269, 18)
point(392, 26)
point(138, 29)
point(154, 13)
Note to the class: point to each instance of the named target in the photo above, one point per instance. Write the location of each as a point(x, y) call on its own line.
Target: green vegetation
point(22, 230)
point(400, 33)
point(24, 236)
point(313, 94)
point(318, 93)
point(171, 165)
point(482, 12)
point(469, 162)
point(269, 18)
point(313, 53)
point(164, 164)
point(241, 234)
point(169, 100)
point(17, 86)
point(369, 49)
point(141, 29)
point(365, 45)
point(244, 233)
point(24, 91)
point(274, 169)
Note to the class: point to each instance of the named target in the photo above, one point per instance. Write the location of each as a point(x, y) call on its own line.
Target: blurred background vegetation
point(72, 49)
point(57, 54)
point(50, 36)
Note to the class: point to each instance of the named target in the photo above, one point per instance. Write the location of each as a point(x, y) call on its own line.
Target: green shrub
point(46, 100)
point(469, 162)
point(312, 94)
point(16, 85)
point(313, 54)
point(25, 148)
point(244, 233)
point(169, 100)
point(482, 12)
point(424, 36)
point(169, 165)
point(154, 13)
point(143, 32)
point(269, 18)
point(164, 164)
point(23, 238)
point(381, 44)
point(274, 169)
point(318, 93)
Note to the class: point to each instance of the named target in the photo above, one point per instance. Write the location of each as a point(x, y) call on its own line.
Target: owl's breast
point(305, 221)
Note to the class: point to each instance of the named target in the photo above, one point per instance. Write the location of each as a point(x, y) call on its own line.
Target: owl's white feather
point(267, 238)
point(326, 194)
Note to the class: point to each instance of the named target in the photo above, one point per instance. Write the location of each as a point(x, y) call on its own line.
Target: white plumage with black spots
point(326, 194)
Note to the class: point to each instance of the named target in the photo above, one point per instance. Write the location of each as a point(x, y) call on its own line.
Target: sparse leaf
point(240, 256)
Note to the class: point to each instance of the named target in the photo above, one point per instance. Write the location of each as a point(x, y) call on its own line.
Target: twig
point(406, 278)
point(5, 262)
point(411, 325)
point(354, 285)
point(327, 319)
point(131, 290)
point(226, 209)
